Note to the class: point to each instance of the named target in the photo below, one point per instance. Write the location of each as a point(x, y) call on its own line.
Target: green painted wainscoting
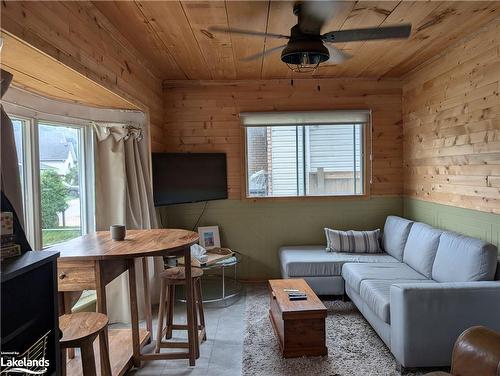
point(258, 229)
point(474, 223)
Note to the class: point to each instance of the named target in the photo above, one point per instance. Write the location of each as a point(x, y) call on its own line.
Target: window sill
point(307, 198)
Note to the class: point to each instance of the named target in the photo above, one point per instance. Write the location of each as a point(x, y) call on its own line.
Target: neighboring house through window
point(305, 153)
point(54, 180)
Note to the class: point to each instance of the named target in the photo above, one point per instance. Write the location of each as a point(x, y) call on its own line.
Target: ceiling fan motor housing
point(304, 49)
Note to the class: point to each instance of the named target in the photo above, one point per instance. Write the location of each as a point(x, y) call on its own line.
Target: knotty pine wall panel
point(78, 35)
point(451, 110)
point(203, 116)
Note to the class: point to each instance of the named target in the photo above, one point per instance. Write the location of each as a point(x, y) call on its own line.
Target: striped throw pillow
point(353, 241)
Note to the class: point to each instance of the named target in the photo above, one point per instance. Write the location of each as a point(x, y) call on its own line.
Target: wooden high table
point(91, 261)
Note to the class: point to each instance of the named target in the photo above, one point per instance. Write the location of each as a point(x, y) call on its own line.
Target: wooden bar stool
point(169, 279)
point(80, 330)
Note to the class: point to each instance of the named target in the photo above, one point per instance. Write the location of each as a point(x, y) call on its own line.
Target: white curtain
point(10, 180)
point(123, 195)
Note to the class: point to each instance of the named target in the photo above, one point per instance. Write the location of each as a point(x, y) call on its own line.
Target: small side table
point(222, 265)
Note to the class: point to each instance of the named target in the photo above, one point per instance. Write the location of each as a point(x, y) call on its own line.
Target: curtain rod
point(59, 115)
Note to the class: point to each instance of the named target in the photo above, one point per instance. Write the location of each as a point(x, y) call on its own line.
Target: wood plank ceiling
point(174, 35)
point(53, 79)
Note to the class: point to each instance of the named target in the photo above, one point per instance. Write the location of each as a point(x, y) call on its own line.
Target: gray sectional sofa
point(425, 289)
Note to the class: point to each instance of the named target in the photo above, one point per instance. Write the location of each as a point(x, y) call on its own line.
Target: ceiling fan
point(307, 48)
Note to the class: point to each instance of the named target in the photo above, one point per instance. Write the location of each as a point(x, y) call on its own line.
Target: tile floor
point(220, 355)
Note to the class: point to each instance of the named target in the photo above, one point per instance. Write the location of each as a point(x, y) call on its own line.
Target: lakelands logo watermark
point(11, 364)
point(30, 362)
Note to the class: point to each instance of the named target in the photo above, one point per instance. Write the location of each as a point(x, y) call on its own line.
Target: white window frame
point(31, 155)
point(303, 118)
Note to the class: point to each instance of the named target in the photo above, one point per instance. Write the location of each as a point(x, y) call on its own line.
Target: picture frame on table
point(209, 237)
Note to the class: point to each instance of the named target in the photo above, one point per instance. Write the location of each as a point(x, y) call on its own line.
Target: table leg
point(192, 331)
point(88, 359)
point(147, 296)
point(102, 307)
point(67, 302)
point(134, 313)
point(104, 353)
point(223, 286)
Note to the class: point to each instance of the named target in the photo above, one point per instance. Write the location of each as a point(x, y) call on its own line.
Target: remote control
point(298, 297)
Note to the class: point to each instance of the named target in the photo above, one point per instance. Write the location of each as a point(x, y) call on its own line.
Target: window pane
point(284, 161)
point(333, 155)
point(257, 161)
point(275, 161)
point(305, 160)
point(60, 190)
point(19, 132)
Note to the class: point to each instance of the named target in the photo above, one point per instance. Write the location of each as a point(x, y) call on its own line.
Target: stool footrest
point(179, 345)
point(174, 345)
point(157, 356)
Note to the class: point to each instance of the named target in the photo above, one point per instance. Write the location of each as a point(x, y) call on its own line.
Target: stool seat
point(77, 327)
point(80, 330)
point(177, 274)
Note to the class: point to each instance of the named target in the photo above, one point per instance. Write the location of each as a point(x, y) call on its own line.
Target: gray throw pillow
point(353, 241)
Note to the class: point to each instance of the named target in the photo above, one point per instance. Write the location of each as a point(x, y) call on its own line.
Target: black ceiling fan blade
point(372, 33)
point(337, 56)
point(262, 54)
point(314, 14)
point(247, 32)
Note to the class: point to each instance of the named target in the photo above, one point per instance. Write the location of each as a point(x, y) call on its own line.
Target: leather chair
point(476, 352)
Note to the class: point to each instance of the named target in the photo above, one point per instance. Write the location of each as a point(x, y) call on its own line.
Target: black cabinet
point(29, 316)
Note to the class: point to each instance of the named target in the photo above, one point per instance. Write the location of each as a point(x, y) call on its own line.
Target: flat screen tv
point(188, 177)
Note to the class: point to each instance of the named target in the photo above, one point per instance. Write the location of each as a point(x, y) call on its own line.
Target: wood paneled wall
point(203, 116)
point(79, 36)
point(451, 110)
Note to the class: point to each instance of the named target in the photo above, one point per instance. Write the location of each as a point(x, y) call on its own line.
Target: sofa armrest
point(426, 319)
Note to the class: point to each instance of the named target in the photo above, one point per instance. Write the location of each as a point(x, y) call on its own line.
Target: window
point(305, 154)
point(62, 213)
point(19, 126)
point(55, 167)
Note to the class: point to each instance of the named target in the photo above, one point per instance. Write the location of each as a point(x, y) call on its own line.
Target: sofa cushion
point(396, 230)
point(461, 259)
point(309, 261)
point(354, 274)
point(421, 246)
point(376, 295)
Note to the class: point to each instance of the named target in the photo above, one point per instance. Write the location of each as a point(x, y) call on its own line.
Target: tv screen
point(188, 177)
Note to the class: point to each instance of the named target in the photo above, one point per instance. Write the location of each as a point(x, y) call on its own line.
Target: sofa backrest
point(396, 230)
point(421, 247)
point(461, 259)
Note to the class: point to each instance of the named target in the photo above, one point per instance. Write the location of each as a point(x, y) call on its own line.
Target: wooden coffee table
point(300, 324)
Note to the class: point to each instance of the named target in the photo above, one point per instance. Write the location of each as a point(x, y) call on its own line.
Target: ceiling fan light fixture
point(303, 57)
point(304, 66)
